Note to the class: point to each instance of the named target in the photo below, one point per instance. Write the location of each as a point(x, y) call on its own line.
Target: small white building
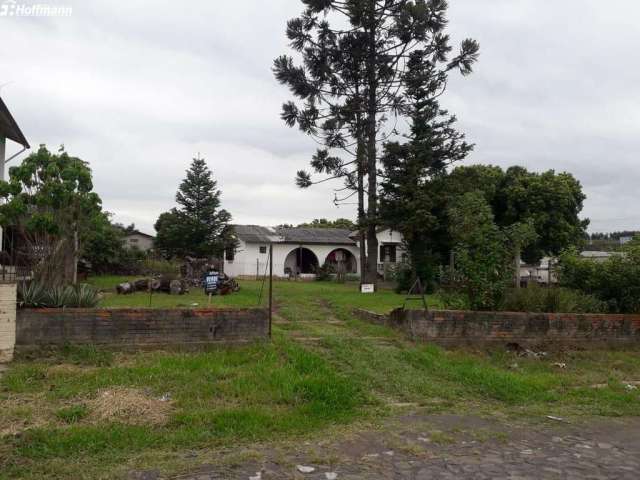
point(299, 252)
point(626, 239)
point(136, 239)
point(540, 273)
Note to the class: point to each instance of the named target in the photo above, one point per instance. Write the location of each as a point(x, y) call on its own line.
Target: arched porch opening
point(342, 261)
point(301, 261)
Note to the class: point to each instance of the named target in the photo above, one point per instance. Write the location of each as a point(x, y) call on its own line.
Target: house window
point(229, 254)
point(263, 249)
point(388, 253)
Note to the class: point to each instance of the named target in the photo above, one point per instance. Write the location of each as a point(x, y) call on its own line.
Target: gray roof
point(256, 234)
point(318, 236)
point(333, 236)
point(9, 128)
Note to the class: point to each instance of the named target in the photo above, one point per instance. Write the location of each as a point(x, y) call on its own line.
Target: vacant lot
point(88, 414)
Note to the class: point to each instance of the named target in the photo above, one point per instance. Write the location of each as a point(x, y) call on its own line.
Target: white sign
point(367, 288)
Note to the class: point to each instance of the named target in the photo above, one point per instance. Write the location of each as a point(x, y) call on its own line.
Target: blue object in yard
point(211, 282)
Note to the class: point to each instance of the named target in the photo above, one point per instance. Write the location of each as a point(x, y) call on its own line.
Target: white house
point(137, 239)
point(539, 273)
point(301, 251)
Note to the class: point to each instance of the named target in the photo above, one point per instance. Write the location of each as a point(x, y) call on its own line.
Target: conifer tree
point(412, 201)
point(198, 226)
point(351, 86)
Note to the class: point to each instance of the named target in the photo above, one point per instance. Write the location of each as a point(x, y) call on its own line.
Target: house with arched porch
point(298, 252)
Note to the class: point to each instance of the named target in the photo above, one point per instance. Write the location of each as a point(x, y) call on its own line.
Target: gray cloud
point(138, 88)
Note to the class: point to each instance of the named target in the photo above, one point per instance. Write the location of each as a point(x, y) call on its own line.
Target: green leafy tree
point(49, 200)
point(351, 84)
point(483, 256)
point(198, 226)
point(550, 202)
point(615, 281)
point(104, 245)
point(104, 249)
point(343, 223)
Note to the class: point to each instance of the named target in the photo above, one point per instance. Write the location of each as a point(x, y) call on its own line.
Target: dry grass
point(129, 406)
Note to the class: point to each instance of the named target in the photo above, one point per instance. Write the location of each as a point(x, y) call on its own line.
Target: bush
point(325, 273)
point(551, 300)
point(453, 300)
point(404, 278)
point(152, 267)
point(616, 281)
point(34, 295)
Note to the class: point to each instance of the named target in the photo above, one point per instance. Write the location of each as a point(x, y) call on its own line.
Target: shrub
point(152, 266)
point(453, 300)
point(615, 281)
point(483, 257)
point(551, 300)
point(404, 278)
point(34, 295)
point(325, 273)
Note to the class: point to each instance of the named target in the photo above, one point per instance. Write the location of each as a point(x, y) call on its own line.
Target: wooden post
point(270, 287)
point(3, 143)
point(517, 276)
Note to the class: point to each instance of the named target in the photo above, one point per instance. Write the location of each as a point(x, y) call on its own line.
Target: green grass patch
point(324, 367)
point(72, 414)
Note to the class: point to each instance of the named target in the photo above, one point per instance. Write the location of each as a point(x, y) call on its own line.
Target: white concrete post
point(8, 298)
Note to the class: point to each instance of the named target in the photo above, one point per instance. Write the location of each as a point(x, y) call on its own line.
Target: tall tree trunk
point(361, 155)
point(371, 134)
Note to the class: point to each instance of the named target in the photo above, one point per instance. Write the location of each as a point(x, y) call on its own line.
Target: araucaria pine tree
point(351, 87)
point(198, 226)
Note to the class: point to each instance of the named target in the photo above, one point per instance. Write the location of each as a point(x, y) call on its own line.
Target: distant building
point(598, 256)
point(541, 273)
point(625, 240)
point(300, 252)
point(139, 240)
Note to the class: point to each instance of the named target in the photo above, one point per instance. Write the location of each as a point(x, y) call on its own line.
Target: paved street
point(448, 447)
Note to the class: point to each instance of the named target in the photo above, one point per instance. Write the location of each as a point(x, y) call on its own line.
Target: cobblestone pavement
point(448, 447)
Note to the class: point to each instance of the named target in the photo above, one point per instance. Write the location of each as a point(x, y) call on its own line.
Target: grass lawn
point(346, 295)
point(87, 413)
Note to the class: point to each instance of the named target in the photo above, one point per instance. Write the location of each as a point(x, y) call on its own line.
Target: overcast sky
point(138, 88)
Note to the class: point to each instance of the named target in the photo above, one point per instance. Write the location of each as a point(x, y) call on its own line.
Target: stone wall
point(458, 328)
point(7, 321)
point(139, 328)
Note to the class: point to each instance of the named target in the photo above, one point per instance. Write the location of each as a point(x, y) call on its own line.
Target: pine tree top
point(198, 195)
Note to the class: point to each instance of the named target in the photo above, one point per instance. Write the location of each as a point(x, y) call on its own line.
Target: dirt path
point(446, 446)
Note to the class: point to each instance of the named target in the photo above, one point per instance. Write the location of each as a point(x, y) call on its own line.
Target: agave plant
point(84, 296)
point(31, 295)
point(59, 297)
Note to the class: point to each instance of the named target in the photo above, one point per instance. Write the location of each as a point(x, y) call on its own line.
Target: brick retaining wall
point(138, 328)
point(457, 328)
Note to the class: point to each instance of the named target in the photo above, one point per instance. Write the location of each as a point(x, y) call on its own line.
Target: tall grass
point(551, 300)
